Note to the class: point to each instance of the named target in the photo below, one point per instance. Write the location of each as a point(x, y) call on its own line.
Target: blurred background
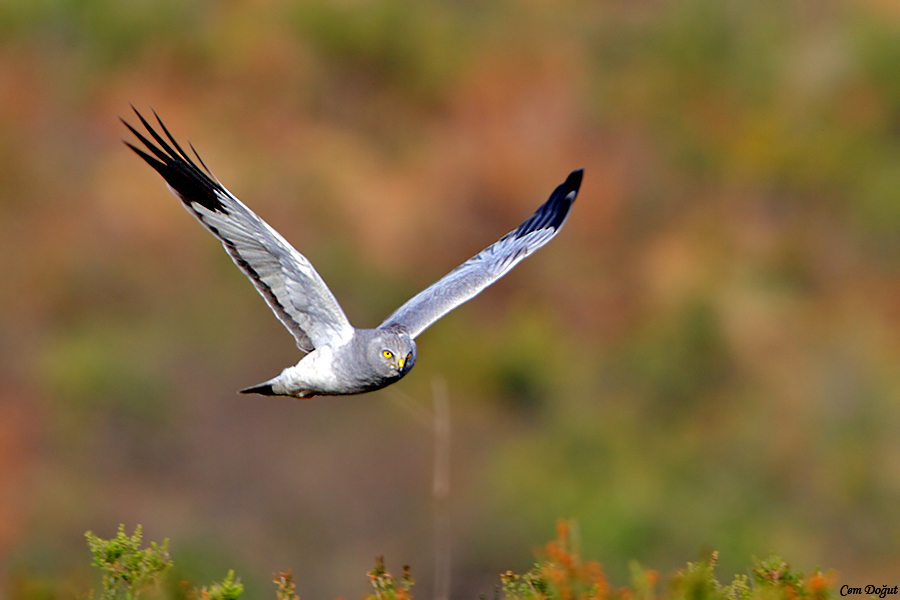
point(705, 358)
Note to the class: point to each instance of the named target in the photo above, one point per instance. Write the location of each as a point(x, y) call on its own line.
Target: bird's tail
point(264, 389)
point(276, 387)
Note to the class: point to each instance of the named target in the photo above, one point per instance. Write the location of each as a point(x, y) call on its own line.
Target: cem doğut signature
point(870, 590)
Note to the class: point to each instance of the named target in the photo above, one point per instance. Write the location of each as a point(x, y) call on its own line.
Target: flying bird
point(340, 359)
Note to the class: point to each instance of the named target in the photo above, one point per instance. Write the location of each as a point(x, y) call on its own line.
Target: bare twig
point(441, 488)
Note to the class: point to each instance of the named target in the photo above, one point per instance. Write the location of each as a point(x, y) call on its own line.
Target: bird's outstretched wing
point(483, 269)
point(284, 277)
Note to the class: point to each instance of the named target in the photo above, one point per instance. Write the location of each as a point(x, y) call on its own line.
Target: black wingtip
point(573, 181)
point(176, 167)
point(553, 213)
point(264, 389)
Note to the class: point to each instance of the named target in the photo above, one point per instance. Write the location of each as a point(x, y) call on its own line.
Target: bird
point(340, 359)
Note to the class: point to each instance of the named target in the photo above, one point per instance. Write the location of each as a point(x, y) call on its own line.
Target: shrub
point(559, 574)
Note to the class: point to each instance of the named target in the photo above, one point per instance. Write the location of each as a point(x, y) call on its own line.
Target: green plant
point(386, 585)
point(127, 569)
point(230, 589)
point(563, 575)
point(559, 574)
point(287, 590)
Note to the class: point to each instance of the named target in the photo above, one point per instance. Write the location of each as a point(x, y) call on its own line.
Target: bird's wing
point(483, 269)
point(285, 278)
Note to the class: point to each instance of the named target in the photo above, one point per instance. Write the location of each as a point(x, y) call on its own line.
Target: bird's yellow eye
point(387, 354)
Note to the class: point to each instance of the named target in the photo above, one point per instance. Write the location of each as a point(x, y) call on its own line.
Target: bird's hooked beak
point(405, 362)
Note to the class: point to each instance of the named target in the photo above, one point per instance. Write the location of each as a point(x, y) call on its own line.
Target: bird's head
point(393, 353)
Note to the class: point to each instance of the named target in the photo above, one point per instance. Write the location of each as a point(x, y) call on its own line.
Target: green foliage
point(775, 577)
point(386, 585)
point(128, 570)
point(230, 589)
point(563, 575)
point(559, 574)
